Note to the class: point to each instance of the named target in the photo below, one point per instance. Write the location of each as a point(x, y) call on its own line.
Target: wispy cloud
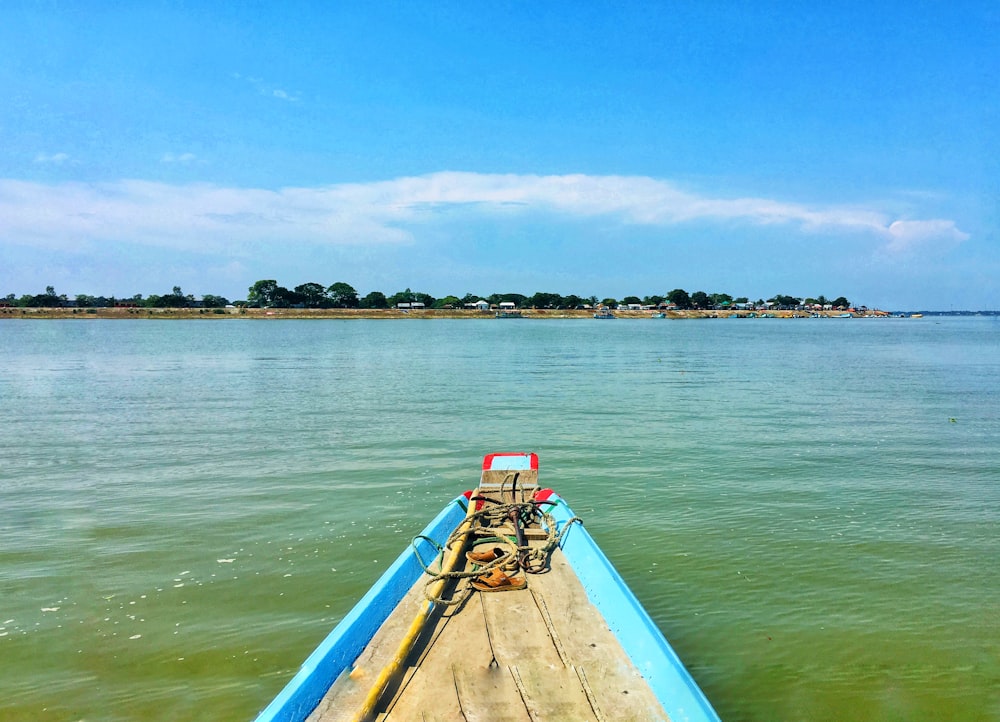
point(52, 158)
point(265, 88)
point(393, 211)
point(182, 158)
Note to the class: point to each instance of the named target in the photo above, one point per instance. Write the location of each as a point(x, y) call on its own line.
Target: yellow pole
point(395, 666)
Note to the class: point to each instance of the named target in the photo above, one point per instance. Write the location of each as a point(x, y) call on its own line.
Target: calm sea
point(808, 508)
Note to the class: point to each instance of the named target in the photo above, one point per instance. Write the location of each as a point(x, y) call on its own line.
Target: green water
point(807, 508)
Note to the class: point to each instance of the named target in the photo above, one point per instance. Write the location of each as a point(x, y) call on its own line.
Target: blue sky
point(604, 149)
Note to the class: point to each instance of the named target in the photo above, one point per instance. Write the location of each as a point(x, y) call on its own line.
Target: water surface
point(807, 508)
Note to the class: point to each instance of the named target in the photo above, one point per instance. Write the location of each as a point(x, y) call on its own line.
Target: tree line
point(175, 299)
point(267, 293)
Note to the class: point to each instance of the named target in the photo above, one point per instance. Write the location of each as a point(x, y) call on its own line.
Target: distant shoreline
point(208, 314)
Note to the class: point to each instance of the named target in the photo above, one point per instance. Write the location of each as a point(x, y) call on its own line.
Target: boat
point(509, 314)
point(603, 313)
point(502, 608)
point(659, 315)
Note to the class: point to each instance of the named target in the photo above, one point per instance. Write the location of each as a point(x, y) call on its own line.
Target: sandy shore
point(343, 313)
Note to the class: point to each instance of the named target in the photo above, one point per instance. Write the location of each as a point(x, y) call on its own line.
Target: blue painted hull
point(638, 634)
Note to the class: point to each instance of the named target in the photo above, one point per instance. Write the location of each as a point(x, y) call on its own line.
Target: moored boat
point(520, 615)
point(604, 313)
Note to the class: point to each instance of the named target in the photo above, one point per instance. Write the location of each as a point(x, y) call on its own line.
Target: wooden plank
point(430, 691)
point(492, 479)
point(551, 693)
point(516, 627)
point(513, 655)
point(489, 694)
point(617, 686)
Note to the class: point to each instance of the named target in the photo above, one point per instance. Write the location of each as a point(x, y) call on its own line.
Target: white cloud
point(210, 216)
point(910, 236)
point(51, 159)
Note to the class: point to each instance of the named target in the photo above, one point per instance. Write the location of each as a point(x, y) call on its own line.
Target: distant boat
point(604, 313)
point(916, 315)
point(509, 314)
point(659, 315)
point(845, 315)
point(564, 639)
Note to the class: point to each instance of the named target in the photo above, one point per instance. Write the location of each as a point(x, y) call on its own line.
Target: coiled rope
point(532, 560)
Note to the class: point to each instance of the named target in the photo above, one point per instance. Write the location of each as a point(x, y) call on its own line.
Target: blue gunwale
point(641, 639)
point(342, 646)
point(638, 634)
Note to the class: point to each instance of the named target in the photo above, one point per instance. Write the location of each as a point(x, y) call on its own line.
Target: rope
point(532, 560)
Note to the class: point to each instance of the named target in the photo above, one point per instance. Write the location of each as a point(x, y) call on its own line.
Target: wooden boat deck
point(540, 653)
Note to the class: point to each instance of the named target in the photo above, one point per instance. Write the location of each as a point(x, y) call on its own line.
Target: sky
point(591, 148)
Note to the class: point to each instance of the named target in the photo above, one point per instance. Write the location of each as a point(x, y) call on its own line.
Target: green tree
point(313, 295)
point(841, 302)
point(375, 299)
point(174, 299)
point(680, 298)
point(210, 301)
point(783, 301)
point(49, 299)
point(631, 299)
point(342, 295)
point(700, 299)
point(283, 298)
point(448, 302)
point(610, 302)
point(262, 293)
point(400, 297)
point(517, 299)
point(544, 300)
point(572, 301)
